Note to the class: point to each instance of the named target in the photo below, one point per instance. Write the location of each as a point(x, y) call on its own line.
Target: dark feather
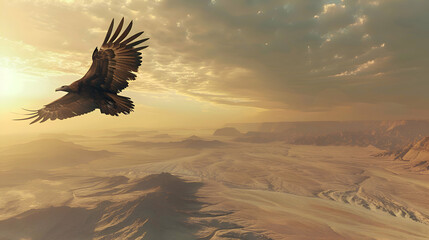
point(125, 33)
point(33, 116)
point(137, 42)
point(132, 38)
point(118, 30)
point(141, 48)
point(108, 32)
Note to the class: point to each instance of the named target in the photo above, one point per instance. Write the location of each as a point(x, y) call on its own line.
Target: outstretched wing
point(113, 65)
point(68, 106)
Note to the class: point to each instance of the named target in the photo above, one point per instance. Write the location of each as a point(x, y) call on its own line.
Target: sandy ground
point(219, 189)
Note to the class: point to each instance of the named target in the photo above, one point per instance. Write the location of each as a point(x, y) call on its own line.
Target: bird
point(113, 65)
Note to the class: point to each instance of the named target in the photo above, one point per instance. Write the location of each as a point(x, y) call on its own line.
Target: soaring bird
point(112, 67)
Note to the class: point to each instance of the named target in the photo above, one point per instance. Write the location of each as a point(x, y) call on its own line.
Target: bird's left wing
point(68, 106)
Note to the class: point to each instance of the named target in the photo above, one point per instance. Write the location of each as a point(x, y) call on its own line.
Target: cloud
point(295, 55)
point(284, 57)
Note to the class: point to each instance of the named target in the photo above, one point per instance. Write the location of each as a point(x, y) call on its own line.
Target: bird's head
point(64, 88)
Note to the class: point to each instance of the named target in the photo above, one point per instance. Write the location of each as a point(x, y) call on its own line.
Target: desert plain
point(193, 184)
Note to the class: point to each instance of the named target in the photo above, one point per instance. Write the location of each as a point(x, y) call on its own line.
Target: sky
point(212, 62)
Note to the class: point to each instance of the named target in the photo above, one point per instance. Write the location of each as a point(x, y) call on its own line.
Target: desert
point(199, 185)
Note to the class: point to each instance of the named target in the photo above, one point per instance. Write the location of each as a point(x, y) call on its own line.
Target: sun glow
point(10, 84)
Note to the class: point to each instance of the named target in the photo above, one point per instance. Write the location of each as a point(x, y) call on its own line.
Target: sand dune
point(158, 206)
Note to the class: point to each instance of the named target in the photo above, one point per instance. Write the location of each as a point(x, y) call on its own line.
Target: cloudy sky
point(216, 61)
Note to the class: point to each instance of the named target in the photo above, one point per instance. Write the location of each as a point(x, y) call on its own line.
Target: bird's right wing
point(116, 61)
point(68, 106)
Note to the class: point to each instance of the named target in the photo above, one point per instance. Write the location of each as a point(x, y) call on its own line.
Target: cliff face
point(418, 155)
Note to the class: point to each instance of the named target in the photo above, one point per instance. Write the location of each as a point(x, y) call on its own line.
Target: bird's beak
point(58, 89)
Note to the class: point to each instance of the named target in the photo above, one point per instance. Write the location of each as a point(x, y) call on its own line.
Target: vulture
point(113, 65)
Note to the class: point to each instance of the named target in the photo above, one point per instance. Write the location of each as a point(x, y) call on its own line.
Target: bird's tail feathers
point(119, 105)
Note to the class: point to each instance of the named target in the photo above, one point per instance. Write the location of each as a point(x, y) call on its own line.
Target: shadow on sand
point(162, 213)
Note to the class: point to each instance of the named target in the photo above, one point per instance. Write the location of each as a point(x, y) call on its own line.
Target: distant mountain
point(362, 139)
point(387, 135)
point(163, 135)
point(48, 154)
point(329, 126)
point(193, 137)
point(227, 131)
point(131, 134)
point(61, 136)
point(126, 135)
point(191, 142)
